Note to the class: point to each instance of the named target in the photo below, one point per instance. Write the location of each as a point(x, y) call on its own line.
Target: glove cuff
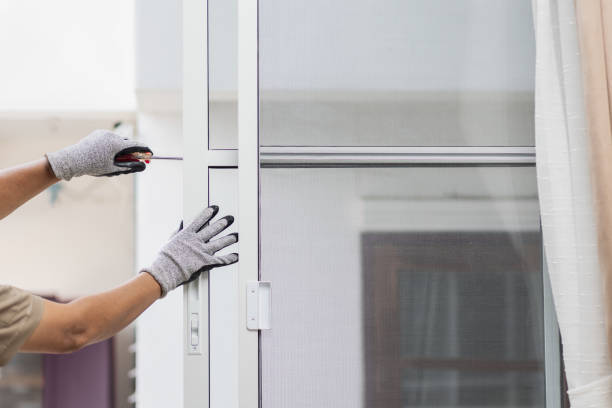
point(59, 165)
point(159, 278)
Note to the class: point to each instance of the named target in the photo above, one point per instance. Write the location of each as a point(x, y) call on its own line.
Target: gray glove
point(96, 155)
point(191, 251)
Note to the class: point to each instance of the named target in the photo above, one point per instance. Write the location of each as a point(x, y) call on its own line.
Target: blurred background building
point(67, 68)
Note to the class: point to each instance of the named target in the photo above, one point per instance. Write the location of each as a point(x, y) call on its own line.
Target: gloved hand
point(192, 250)
point(95, 156)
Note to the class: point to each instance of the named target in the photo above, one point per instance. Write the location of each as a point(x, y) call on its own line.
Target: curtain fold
point(594, 19)
point(567, 206)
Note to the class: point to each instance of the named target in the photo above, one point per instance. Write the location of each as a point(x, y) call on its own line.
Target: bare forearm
point(68, 327)
point(21, 183)
point(109, 312)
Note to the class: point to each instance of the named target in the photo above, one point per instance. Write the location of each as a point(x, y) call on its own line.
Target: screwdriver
point(144, 156)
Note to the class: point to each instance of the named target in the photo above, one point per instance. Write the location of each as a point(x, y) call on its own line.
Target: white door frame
point(242, 379)
point(195, 192)
point(248, 193)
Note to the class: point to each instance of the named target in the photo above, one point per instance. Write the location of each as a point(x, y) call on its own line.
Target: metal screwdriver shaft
point(144, 156)
point(165, 158)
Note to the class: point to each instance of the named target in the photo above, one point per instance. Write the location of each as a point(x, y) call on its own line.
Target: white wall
point(158, 44)
point(66, 55)
point(159, 352)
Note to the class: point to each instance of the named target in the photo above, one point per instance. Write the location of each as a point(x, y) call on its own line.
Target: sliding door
point(382, 171)
point(399, 220)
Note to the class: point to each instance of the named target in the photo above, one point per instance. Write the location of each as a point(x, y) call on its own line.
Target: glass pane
point(223, 74)
point(396, 72)
point(402, 287)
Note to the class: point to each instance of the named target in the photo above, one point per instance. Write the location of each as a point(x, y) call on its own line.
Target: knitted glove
point(96, 155)
point(192, 250)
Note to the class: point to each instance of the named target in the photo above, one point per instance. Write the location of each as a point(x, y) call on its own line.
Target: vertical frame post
point(248, 207)
point(195, 196)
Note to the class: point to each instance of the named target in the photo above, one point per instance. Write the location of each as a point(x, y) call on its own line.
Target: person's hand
point(96, 155)
point(192, 250)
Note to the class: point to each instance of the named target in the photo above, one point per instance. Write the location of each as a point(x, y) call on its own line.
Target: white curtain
point(567, 211)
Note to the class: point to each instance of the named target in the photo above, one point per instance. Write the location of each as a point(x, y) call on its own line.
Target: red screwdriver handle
point(133, 157)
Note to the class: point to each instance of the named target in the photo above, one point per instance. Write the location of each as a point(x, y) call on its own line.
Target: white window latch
point(259, 305)
point(193, 334)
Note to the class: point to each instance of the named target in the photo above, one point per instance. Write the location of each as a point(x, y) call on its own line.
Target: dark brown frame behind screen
point(386, 255)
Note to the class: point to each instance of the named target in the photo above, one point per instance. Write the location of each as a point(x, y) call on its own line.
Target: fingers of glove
point(223, 260)
point(126, 145)
point(220, 243)
point(116, 173)
point(134, 166)
point(216, 227)
point(193, 277)
point(122, 159)
point(206, 215)
point(107, 142)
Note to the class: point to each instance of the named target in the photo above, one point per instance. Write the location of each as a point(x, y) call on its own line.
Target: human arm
point(68, 327)
point(94, 155)
point(20, 183)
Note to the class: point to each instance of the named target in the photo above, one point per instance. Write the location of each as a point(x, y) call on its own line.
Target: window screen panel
point(402, 287)
point(396, 73)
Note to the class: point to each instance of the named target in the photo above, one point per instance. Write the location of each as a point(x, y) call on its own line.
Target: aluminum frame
point(248, 193)
point(195, 190)
point(272, 156)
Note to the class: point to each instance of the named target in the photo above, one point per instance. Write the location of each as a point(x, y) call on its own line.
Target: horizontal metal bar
point(298, 156)
point(292, 156)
